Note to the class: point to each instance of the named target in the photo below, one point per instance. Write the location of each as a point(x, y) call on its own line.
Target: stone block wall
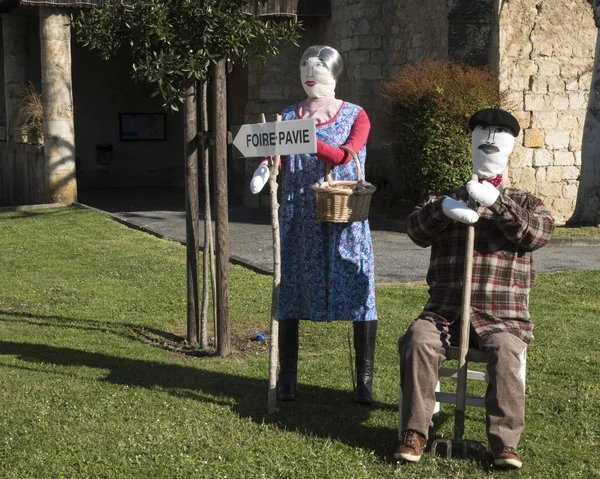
point(101, 91)
point(275, 84)
point(272, 86)
point(543, 51)
point(471, 30)
point(376, 39)
point(546, 56)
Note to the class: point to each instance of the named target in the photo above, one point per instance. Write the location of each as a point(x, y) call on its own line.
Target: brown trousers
point(421, 355)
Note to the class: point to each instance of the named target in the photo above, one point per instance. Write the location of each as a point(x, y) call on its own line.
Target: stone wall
point(101, 91)
point(272, 86)
point(546, 58)
point(471, 32)
point(275, 84)
point(542, 49)
point(376, 39)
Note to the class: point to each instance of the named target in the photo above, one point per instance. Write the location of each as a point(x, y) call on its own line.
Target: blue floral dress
point(327, 269)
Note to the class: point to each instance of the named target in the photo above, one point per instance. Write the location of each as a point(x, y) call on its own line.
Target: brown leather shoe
point(507, 457)
point(411, 446)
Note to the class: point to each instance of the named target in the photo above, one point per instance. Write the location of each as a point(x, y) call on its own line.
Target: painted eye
point(304, 63)
point(483, 127)
point(318, 64)
point(501, 129)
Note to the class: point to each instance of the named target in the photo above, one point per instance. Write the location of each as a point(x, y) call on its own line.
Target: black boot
point(364, 348)
point(288, 359)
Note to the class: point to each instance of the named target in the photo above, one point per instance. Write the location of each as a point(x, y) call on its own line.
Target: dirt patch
point(253, 340)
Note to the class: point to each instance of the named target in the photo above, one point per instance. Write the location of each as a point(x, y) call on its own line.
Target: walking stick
point(465, 324)
point(273, 348)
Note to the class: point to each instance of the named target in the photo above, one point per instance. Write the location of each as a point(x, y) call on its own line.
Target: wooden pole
point(213, 277)
point(210, 246)
point(221, 207)
point(208, 262)
point(191, 210)
point(461, 380)
point(273, 346)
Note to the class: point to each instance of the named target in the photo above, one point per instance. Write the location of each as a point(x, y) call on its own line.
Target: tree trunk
point(587, 208)
point(190, 129)
point(221, 207)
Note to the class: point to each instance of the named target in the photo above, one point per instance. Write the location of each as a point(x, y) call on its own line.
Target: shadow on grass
point(155, 337)
point(19, 214)
point(317, 411)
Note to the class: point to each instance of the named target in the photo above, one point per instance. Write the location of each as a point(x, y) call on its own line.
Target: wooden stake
point(352, 368)
point(209, 263)
point(274, 338)
point(191, 209)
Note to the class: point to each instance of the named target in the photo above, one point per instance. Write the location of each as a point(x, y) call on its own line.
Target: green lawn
point(90, 385)
point(576, 231)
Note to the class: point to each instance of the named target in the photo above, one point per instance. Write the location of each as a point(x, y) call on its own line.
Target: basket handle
point(355, 157)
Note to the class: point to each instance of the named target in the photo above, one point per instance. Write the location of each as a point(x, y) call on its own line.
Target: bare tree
point(173, 44)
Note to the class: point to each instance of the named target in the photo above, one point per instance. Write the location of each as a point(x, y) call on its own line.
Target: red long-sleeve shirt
point(356, 140)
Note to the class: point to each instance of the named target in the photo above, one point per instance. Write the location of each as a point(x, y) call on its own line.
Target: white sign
point(275, 138)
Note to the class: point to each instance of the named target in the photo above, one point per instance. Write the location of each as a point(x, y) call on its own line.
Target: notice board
point(142, 126)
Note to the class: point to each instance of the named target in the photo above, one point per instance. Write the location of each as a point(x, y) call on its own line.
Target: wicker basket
point(343, 201)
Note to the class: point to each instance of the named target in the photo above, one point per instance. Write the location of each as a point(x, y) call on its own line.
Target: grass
point(90, 385)
point(576, 231)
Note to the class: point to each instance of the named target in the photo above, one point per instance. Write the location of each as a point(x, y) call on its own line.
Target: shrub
point(31, 116)
point(429, 108)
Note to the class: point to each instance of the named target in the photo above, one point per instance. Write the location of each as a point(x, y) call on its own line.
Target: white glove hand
point(484, 193)
point(259, 178)
point(458, 211)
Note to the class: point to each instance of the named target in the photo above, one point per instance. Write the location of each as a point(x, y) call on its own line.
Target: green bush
point(430, 105)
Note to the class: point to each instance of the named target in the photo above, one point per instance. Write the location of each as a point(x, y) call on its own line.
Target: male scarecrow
point(509, 224)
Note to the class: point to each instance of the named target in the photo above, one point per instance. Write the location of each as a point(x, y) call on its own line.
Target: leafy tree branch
point(173, 41)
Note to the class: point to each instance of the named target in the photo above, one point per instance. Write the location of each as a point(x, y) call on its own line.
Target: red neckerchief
point(494, 180)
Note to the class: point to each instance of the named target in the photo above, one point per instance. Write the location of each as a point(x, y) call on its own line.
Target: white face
point(490, 148)
point(317, 80)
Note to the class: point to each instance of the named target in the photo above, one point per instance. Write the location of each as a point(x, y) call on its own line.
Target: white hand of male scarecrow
point(458, 211)
point(484, 193)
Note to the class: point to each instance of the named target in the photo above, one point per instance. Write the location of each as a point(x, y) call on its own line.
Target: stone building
point(100, 129)
point(546, 63)
point(543, 51)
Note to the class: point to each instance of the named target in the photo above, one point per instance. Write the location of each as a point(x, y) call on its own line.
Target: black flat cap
point(495, 116)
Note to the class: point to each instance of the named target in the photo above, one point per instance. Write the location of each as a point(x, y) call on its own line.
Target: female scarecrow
point(327, 269)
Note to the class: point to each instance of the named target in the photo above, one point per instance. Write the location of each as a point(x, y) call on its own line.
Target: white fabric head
point(317, 79)
point(491, 146)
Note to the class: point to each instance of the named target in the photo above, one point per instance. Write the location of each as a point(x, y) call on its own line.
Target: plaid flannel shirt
point(505, 235)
